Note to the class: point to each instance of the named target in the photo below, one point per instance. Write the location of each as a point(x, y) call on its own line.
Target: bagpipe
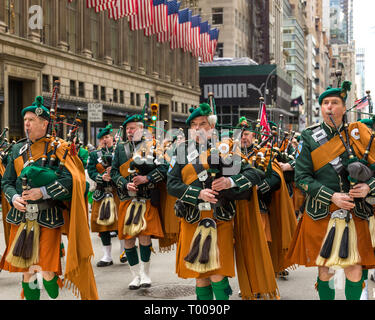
point(5, 146)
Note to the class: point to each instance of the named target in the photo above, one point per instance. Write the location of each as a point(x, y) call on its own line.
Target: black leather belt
point(40, 206)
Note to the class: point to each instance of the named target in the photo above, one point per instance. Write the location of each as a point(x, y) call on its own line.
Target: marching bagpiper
point(276, 206)
point(136, 175)
point(45, 185)
point(335, 169)
point(105, 199)
point(205, 245)
point(5, 149)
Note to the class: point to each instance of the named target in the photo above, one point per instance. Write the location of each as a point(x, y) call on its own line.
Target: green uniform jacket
point(59, 190)
point(96, 157)
point(124, 151)
point(244, 180)
point(322, 184)
point(83, 154)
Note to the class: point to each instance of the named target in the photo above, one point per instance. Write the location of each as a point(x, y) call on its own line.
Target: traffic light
point(154, 111)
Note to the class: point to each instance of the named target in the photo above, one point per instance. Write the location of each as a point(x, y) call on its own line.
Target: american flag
point(195, 38)
point(123, 8)
point(182, 37)
point(160, 12)
point(99, 5)
point(172, 20)
point(214, 37)
point(204, 50)
point(144, 17)
point(361, 103)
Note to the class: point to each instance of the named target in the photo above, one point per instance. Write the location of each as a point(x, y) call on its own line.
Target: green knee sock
point(132, 255)
point(222, 289)
point(325, 292)
point(105, 237)
point(31, 291)
point(353, 290)
point(204, 293)
point(145, 252)
point(52, 287)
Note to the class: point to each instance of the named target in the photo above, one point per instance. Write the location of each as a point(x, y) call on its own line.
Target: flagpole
point(369, 101)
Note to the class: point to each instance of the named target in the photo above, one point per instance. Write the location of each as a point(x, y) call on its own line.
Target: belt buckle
point(204, 206)
point(31, 212)
point(32, 208)
point(340, 214)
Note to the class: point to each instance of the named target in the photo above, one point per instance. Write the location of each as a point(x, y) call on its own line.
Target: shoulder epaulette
point(315, 125)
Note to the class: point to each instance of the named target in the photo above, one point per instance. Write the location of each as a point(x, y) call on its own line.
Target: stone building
point(96, 59)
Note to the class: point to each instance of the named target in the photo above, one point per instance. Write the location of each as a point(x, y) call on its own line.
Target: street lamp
point(265, 88)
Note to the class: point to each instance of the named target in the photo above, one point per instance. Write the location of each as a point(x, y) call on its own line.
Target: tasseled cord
point(327, 246)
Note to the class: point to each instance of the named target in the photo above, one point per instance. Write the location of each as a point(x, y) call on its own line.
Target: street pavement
point(112, 282)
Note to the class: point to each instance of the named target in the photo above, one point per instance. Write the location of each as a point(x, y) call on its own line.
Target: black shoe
point(104, 264)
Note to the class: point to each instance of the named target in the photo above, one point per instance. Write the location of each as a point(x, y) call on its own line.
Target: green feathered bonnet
point(103, 132)
point(133, 118)
point(245, 125)
point(204, 109)
point(38, 108)
point(272, 124)
point(337, 92)
point(367, 122)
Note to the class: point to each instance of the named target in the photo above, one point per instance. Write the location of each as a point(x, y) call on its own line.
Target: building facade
point(96, 59)
point(243, 25)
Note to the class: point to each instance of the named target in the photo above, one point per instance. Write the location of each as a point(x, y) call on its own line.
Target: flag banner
point(265, 126)
point(179, 39)
point(195, 35)
point(204, 50)
point(144, 17)
point(361, 103)
point(160, 13)
point(123, 8)
point(187, 32)
point(214, 36)
point(105, 6)
point(172, 20)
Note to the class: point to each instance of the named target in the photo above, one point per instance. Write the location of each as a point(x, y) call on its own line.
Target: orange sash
point(329, 151)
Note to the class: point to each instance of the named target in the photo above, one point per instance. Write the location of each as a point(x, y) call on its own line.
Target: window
point(220, 50)
point(102, 93)
point(73, 22)
point(138, 99)
point(217, 15)
point(287, 44)
point(115, 96)
point(132, 100)
point(227, 114)
point(131, 45)
point(73, 90)
point(54, 78)
point(122, 97)
point(47, 25)
point(95, 92)
point(81, 89)
point(45, 79)
point(114, 41)
point(95, 32)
